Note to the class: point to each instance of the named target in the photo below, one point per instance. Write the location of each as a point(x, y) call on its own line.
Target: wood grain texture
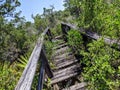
point(92, 35)
point(27, 77)
point(66, 73)
point(66, 63)
point(79, 86)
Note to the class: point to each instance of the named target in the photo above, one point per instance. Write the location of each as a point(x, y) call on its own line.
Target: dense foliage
point(75, 41)
point(101, 69)
point(16, 40)
point(9, 76)
point(101, 62)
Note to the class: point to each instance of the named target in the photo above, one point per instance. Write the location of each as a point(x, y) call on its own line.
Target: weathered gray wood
point(55, 87)
point(63, 55)
point(59, 41)
point(41, 74)
point(47, 66)
point(59, 37)
point(49, 35)
point(26, 79)
point(60, 46)
point(79, 86)
point(66, 73)
point(57, 61)
point(72, 68)
point(66, 63)
point(61, 50)
point(92, 35)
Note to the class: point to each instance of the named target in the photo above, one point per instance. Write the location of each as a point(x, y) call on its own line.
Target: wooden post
point(65, 30)
point(41, 75)
point(92, 35)
point(43, 68)
point(49, 35)
point(47, 66)
point(55, 87)
point(28, 74)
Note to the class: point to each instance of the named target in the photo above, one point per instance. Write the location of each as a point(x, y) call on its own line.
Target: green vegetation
point(101, 63)
point(100, 70)
point(9, 75)
point(75, 41)
point(16, 43)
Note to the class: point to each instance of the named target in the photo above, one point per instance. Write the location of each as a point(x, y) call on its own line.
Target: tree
point(14, 39)
point(101, 63)
point(49, 16)
point(40, 23)
point(100, 72)
point(73, 6)
point(7, 7)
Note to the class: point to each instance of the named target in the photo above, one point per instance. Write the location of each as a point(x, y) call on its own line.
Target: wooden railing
point(66, 27)
point(38, 53)
point(28, 74)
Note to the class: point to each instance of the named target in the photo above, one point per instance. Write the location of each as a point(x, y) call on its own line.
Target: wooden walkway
point(65, 75)
point(67, 68)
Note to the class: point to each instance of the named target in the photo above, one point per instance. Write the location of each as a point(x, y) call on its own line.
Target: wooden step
point(66, 63)
point(66, 73)
point(59, 37)
point(61, 55)
point(68, 69)
point(60, 46)
point(61, 50)
point(59, 41)
point(69, 57)
point(62, 42)
point(79, 86)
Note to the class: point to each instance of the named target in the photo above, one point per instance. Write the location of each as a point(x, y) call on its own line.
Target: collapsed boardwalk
point(27, 77)
point(67, 67)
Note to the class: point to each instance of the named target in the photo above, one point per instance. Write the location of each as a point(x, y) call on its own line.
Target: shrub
point(100, 72)
point(9, 75)
point(75, 40)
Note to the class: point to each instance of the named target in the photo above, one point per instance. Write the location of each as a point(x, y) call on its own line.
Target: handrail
point(43, 68)
point(41, 75)
point(67, 26)
point(28, 74)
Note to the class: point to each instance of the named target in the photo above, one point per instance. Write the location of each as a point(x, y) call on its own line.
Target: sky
point(29, 7)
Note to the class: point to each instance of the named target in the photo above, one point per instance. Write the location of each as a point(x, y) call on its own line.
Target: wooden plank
point(69, 57)
point(61, 50)
point(62, 55)
point(59, 37)
point(47, 66)
point(72, 68)
point(59, 42)
point(93, 35)
point(43, 68)
point(41, 75)
point(62, 78)
point(66, 63)
point(49, 34)
point(55, 87)
point(79, 86)
point(60, 46)
point(66, 73)
point(26, 79)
